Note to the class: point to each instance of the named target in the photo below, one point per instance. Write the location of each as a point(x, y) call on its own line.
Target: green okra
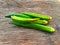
point(35, 15)
point(26, 16)
point(23, 19)
point(34, 26)
point(41, 22)
point(19, 15)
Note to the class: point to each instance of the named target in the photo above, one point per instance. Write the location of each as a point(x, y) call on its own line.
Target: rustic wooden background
point(13, 35)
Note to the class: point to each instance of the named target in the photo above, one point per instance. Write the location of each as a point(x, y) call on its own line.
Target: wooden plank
point(13, 35)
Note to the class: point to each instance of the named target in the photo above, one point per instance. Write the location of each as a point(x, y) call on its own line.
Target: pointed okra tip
point(50, 18)
point(9, 15)
point(52, 30)
point(45, 22)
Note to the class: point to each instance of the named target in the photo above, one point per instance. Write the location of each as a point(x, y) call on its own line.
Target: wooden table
point(13, 35)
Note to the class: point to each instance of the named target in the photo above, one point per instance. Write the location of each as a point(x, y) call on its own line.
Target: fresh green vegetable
point(41, 22)
point(26, 16)
point(41, 16)
point(19, 15)
point(34, 26)
point(36, 20)
point(23, 19)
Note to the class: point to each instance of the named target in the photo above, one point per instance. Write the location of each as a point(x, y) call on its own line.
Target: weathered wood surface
point(13, 35)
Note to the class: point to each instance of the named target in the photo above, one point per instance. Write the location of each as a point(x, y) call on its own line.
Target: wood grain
point(13, 35)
